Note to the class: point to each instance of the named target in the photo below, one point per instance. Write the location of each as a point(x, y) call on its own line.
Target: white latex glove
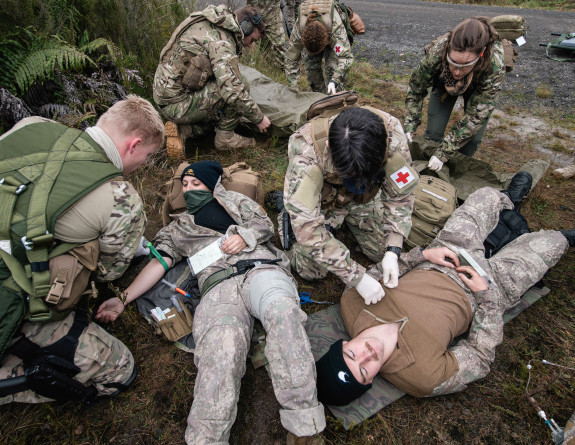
point(390, 269)
point(331, 88)
point(435, 164)
point(409, 137)
point(370, 289)
point(142, 249)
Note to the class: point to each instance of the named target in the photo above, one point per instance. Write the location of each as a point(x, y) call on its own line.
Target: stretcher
point(564, 43)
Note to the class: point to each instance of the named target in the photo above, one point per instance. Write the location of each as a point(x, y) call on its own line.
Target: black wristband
point(394, 249)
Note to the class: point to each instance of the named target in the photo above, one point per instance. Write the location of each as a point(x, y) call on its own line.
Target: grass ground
point(491, 411)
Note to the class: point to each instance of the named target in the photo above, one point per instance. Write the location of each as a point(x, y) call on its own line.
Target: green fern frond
point(96, 44)
point(39, 64)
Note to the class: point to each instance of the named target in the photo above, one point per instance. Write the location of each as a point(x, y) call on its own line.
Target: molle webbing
point(322, 7)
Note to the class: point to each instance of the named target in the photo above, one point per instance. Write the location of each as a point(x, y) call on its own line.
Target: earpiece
point(247, 24)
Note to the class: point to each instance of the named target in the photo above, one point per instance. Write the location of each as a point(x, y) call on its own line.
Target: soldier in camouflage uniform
point(224, 319)
point(275, 34)
point(353, 167)
point(452, 68)
point(331, 41)
point(112, 213)
point(406, 337)
point(198, 79)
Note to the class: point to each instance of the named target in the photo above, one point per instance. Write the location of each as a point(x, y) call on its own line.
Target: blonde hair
point(134, 115)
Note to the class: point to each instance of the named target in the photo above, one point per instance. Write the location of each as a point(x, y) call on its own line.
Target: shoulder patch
point(402, 177)
point(308, 192)
point(337, 49)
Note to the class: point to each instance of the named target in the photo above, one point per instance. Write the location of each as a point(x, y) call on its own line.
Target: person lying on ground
point(408, 336)
point(230, 301)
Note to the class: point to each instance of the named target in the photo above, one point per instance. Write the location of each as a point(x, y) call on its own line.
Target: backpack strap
point(319, 135)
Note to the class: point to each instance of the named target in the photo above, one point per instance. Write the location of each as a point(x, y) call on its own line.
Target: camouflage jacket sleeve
point(295, 48)
point(342, 48)
point(302, 194)
point(479, 106)
point(397, 206)
point(419, 84)
point(254, 226)
point(225, 64)
point(475, 354)
point(121, 234)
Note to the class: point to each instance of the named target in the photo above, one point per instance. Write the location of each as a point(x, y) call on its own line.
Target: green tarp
point(285, 107)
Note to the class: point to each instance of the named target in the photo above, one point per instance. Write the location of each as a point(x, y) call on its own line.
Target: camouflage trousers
point(516, 267)
point(275, 34)
point(222, 331)
point(366, 223)
point(512, 270)
point(291, 9)
point(438, 114)
point(315, 71)
point(204, 106)
point(102, 358)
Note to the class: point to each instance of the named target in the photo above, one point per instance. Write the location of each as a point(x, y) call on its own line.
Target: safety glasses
point(461, 66)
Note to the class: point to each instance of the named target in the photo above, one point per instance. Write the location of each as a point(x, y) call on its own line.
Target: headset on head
point(247, 24)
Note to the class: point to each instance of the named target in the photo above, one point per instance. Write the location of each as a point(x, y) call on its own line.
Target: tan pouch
point(177, 324)
point(509, 55)
point(240, 177)
point(355, 22)
point(198, 73)
point(70, 275)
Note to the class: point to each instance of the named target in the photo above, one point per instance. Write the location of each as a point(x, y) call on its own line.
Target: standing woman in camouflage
point(468, 62)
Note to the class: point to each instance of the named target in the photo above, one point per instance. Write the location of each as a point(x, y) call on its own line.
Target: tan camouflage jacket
point(338, 43)
point(479, 106)
point(308, 219)
point(182, 238)
point(219, 38)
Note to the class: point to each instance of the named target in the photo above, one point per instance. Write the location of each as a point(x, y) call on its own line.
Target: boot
point(570, 235)
point(227, 140)
point(292, 439)
point(176, 136)
point(565, 172)
point(518, 187)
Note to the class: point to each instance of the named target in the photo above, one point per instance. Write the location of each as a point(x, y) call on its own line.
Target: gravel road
point(398, 30)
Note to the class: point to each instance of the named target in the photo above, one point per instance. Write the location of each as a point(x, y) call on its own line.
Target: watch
point(394, 249)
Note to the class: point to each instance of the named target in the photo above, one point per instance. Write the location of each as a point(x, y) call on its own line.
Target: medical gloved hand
point(390, 269)
point(435, 164)
point(409, 137)
point(142, 249)
point(331, 88)
point(370, 289)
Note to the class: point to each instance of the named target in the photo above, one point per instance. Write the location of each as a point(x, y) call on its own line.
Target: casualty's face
point(364, 356)
point(192, 183)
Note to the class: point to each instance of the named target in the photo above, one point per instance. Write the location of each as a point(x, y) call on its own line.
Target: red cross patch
point(402, 177)
point(337, 49)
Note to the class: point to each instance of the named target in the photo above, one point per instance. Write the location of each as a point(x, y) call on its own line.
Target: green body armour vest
point(44, 169)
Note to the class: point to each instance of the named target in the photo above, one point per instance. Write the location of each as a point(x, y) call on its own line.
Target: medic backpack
point(45, 167)
point(435, 201)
